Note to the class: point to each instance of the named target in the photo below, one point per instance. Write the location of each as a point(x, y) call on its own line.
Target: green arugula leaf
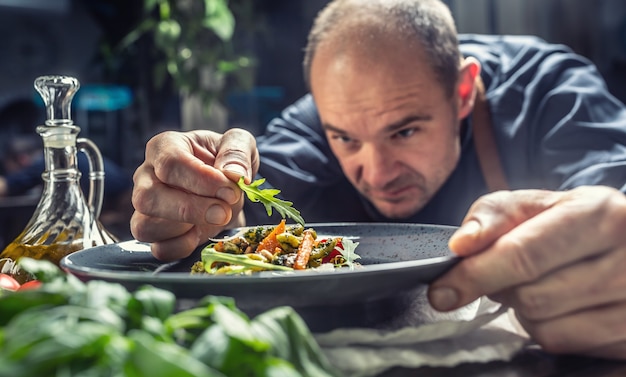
point(267, 197)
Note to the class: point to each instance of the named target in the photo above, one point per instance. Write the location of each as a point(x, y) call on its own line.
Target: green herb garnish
point(348, 252)
point(267, 197)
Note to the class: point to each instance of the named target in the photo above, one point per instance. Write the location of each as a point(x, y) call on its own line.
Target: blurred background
point(150, 65)
point(121, 104)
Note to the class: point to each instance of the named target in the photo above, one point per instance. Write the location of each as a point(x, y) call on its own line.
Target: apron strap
point(485, 142)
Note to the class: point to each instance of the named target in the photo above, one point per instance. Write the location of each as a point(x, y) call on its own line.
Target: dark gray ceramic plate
point(396, 259)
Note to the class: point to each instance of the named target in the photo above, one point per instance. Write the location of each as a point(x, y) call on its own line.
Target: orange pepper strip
point(304, 251)
point(270, 242)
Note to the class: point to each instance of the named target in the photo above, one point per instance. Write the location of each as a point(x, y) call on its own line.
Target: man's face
point(389, 122)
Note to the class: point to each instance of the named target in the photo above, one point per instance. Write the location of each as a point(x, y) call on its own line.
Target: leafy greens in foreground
point(268, 198)
point(67, 327)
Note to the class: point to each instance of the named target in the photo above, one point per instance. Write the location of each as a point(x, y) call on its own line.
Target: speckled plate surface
point(395, 258)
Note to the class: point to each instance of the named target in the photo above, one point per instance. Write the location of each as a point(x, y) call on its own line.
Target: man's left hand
point(557, 258)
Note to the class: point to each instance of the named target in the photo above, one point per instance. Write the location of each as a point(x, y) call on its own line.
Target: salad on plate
point(274, 248)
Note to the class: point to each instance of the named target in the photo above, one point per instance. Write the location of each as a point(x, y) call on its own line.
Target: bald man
point(388, 133)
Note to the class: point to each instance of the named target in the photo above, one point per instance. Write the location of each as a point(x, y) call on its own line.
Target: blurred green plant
point(197, 42)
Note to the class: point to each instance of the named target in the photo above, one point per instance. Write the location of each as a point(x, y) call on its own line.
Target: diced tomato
point(8, 282)
point(329, 257)
point(33, 284)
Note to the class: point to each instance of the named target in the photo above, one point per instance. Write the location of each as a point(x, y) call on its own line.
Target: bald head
point(361, 25)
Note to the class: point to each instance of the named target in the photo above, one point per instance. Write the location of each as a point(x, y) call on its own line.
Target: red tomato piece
point(330, 256)
point(8, 282)
point(33, 284)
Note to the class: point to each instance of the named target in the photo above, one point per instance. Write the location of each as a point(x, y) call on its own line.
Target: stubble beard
point(405, 206)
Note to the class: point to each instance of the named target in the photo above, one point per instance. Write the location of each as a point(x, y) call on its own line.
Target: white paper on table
point(479, 332)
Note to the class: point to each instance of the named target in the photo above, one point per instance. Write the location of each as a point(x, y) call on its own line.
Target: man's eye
point(343, 139)
point(406, 133)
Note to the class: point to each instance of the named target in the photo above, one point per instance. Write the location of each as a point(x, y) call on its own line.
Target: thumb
point(468, 239)
point(237, 155)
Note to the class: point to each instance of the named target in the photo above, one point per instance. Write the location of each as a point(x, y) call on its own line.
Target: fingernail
point(470, 228)
point(215, 215)
point(227, 194)
point(235, 169)
point(444, 298)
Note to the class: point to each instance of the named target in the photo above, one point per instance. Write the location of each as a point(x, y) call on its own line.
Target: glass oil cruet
point(63, 221)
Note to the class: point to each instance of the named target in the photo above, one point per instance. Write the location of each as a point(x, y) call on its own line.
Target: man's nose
point(376, 165)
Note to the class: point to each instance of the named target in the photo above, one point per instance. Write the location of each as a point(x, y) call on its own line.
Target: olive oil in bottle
point(64, 221)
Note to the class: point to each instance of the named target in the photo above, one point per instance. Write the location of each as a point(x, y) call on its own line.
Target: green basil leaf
point(154, 358)
point(292, 340)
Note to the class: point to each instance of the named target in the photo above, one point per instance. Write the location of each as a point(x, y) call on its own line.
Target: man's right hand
point(185, 191)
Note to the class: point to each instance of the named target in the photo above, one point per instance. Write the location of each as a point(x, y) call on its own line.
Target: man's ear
point(466, 88)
